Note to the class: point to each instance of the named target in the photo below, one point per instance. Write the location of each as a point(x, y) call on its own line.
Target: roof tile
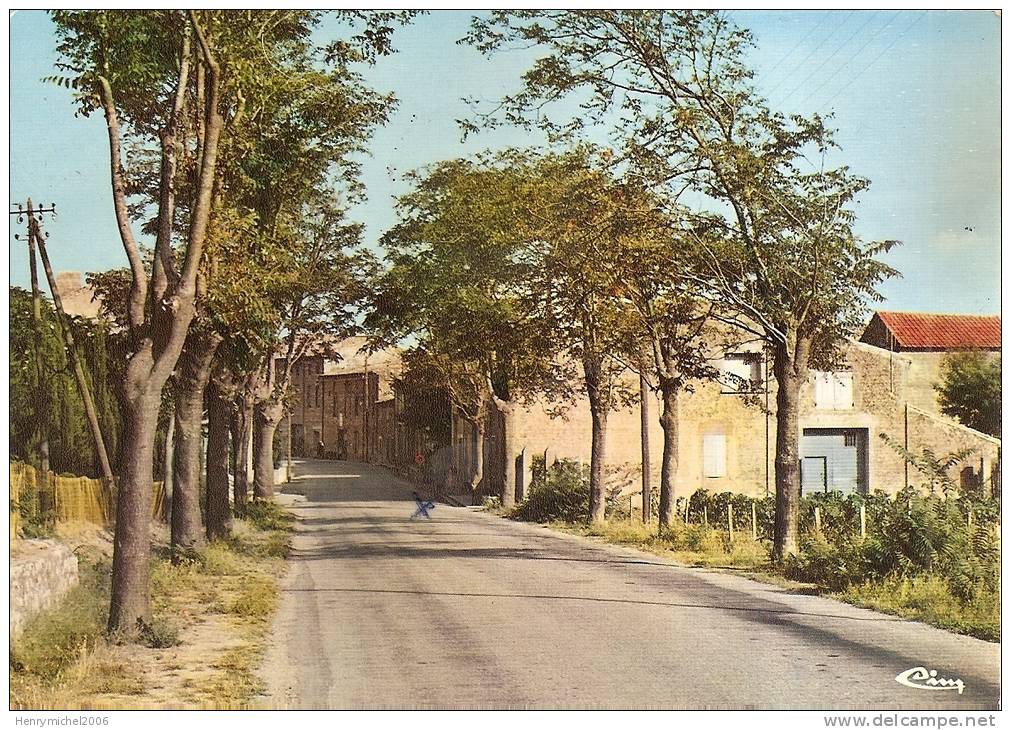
point(913, 330)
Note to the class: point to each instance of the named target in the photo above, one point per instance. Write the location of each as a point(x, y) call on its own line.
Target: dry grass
point(211, 620)
point(924, 598)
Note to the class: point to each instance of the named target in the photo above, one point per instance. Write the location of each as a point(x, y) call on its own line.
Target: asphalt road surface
point(469, 610)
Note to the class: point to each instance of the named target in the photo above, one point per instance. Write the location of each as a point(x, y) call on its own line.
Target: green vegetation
point(970, 390)
point(925, 557)
point(71, 448)
point(212, 613)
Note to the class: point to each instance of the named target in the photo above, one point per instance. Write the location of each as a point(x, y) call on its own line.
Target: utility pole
point(35, 236)
point(41, 391)
point(644, 394)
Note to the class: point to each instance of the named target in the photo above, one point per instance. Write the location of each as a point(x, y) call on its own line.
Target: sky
point(915, 97)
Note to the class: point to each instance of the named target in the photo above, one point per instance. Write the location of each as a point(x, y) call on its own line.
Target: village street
point(471, 610)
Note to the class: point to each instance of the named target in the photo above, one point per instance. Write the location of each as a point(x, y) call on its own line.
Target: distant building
point(727, 433)
point(79, 299)
point(344, 405)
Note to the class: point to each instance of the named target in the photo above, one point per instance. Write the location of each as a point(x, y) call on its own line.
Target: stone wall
point(42, 571)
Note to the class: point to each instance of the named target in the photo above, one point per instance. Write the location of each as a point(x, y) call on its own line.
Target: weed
point(257, 598)
point(158, 634)
point(269, 516)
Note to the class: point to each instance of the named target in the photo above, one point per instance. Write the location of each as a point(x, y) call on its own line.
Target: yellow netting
point(72, 499)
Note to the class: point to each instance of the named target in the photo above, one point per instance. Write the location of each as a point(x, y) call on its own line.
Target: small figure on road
point(423, 507)
point(319, 449)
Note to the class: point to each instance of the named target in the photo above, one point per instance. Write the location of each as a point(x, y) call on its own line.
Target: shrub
point(266, 515)
point(159, 634)
point(562, 492)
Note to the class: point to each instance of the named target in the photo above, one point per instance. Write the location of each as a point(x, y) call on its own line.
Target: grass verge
point(211, 618)
point(928, 599)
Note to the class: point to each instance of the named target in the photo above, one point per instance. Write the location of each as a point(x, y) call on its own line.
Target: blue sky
point(915, 97)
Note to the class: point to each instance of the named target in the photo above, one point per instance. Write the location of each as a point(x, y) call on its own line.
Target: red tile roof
point(915, 331)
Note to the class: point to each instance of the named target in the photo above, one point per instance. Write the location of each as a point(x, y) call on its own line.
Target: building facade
point(851, 421)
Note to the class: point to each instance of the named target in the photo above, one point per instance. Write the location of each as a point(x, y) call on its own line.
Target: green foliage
point(931, 599)
point(257, 598)
point(430, 383)
point(935, 469)
point(60, 411)
point(461, 273)
point(52, 641)
point(970, 390)
point(269, 516)
point(562, 492)
point(912, 534)
point(159, 634)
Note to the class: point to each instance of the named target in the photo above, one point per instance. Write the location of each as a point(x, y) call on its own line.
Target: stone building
point(343, 404)
point(727, 429)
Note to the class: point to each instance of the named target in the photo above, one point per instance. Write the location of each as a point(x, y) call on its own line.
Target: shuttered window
point(833, 390)
point(714, 455)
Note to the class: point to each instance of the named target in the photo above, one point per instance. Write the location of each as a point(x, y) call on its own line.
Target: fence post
point(754, 522)
point(969, 522)
point(863, 521)
point(629, 507)
point(730, 519)
point(705, 516)
point(817, 519)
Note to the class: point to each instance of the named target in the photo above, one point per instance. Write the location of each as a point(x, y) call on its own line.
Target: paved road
point(468, 610)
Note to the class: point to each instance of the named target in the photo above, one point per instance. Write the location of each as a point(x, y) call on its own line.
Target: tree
point(782, 258)
point(571, 226)
point(969, 390)
point(460, 277)
point(70, 444)
point(325, 282)
point(431, 378)
point(135, 67)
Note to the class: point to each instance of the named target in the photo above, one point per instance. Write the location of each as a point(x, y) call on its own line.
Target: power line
point(824, 61)
point(802, 41)
point(809, 55)
point(850, 60)
point(877, 58)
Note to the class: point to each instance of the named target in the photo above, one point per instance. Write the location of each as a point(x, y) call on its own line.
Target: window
point(741, 372)
point(714, 455)
point(850, 439)
point(833, 391)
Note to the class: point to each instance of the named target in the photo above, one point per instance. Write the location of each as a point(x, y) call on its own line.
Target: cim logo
point(922, 678)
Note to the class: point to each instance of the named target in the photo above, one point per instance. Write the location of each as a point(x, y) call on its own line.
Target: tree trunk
point(266, 417)
point(508, 411)
point(598, 446)
point(598, 443)
point(788, 382)
point(240, 486)
point(194, 370)
point(644, 396)
point(477, 475)
point(130, 605)
point(157, 339)
point(669, 459)
point(170, 430)
point(219, 514)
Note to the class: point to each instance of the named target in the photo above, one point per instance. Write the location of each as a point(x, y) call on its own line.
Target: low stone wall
point(42, 571)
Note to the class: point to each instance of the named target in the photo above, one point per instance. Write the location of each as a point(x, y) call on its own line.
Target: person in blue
point(423, 507)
